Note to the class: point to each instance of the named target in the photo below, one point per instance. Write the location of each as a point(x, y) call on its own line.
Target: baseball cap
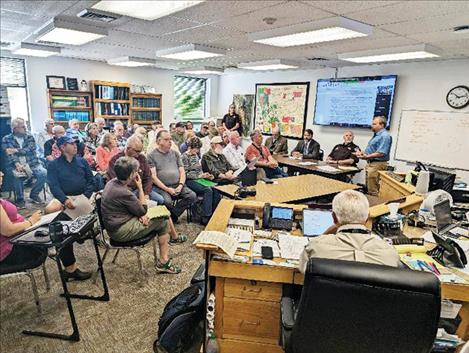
point(63, 140)
point(216, 139)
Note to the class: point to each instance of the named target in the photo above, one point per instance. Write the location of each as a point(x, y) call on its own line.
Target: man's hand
point(69, 204)
point(172, 191)
point(144, 220)
point(35, 217)
point(19, 167)
point(50, 158)
point(330, 160)
point(273, 164)
point(296, 154)
point(10, 151)
point(138, 181)
point(179, 189)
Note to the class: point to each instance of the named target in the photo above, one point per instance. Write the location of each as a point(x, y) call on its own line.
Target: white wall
point(38, 68)
point(419, 86)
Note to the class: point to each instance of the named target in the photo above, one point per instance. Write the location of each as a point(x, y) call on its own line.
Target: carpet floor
point(125, 324)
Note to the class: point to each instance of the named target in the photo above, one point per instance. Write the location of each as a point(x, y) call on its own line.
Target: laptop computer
point(444, 221)
point(316, 221)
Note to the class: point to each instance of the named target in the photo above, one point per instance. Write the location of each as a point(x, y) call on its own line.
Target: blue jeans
point(40, 174)
point(154, 196)
point(211, 196)
point(273, 173)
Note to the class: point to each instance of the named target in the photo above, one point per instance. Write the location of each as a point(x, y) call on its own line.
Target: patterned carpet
point(127, 323)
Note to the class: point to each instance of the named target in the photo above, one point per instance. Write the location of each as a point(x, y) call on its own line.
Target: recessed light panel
point(190, 52)
point(66, 32)
point(267, 65)
point(392, 54)
point(30, 49)
point(131, 61)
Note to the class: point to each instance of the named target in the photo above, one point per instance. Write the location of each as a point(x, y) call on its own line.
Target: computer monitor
point(441, 180)
point(442, 215)
point(316, 221)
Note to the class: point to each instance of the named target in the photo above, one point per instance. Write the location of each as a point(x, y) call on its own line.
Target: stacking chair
point(27, 269)
point(135, 245)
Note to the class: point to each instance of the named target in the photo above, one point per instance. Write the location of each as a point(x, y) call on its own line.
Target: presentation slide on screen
point(354, 102)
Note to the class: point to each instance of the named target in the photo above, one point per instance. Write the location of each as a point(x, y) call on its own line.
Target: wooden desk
point(411, 203)
point(247, 307)
point(290, 189)
point(391, 189)
point(339, 174)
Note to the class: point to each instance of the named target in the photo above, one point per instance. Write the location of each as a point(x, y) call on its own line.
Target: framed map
point(282, 105)
point(244, 104)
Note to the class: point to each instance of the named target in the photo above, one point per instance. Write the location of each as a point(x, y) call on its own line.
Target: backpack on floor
point(180, 327)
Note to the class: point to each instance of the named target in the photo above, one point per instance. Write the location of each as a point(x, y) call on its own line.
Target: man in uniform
point(344, 153)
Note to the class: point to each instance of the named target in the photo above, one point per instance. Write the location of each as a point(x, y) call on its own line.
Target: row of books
point(62, 101)
point(112, 108)
point(110, 92)
point(146, 102)
point(66, 116)
point(146, 116)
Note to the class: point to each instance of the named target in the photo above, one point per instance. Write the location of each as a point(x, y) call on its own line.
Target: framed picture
point(55, 82)
point(282, 105)
point(244, 104)
point(72, 84)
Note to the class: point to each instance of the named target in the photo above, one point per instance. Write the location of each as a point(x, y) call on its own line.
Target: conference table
point(291, 189)
point(311, 166)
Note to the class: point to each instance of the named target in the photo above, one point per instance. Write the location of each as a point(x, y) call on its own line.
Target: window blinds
point(12, 72)
point(189, 98)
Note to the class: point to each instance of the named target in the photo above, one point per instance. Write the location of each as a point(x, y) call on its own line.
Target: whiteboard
point(438, 138)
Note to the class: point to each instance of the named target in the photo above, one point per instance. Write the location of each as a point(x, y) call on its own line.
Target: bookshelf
point(146, 108)
point(66, 105)
point(112, 100)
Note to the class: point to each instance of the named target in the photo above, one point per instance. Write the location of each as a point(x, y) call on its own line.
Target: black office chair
point(353, 307)
point(321, 155)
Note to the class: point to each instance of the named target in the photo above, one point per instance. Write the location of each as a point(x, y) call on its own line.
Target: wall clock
point(458, 97)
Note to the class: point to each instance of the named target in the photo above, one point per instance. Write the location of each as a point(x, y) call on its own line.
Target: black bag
point(180, 327)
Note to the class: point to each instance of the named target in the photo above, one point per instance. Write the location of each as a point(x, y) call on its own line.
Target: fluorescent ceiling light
point(31, 49)
point(190, 52)
point(421, 51)
point(327, 30)
point(145, 10)
point(205, 70)
point(131, 61)
point(268, 65)
point(66, 32)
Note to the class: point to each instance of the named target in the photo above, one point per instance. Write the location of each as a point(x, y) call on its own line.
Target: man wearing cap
point(179, 134)
point(215, 163)
point(203, 131)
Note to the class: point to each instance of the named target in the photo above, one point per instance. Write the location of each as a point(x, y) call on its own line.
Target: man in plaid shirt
point(22, 159)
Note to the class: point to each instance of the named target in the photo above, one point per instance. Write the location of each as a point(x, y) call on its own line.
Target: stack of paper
point(222, 240)
point(243, 237)
point(306, 163)
point(327, 168)
point(291, 247)
point(259, 243)
point(158, 212)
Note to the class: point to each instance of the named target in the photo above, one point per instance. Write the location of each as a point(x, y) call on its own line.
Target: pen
point(435, 268)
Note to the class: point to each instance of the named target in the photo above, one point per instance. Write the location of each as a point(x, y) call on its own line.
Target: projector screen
point(353, 102)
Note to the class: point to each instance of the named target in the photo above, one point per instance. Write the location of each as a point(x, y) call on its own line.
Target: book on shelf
point(146, 116)
point(69, 115)
point(112, 108)
point(146, 102)
point(111, 92)
point(67, 101)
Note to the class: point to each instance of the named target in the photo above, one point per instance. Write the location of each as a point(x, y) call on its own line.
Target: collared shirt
point(69, 178)
point(26, 152)
point(254, 151)
point(277, 146)
point(344, 151)
point(144, 172)
point(215, 164)
point(352, 242)
point(121, 142)
point(235, 156)
point(380, 142)
point(231, 120)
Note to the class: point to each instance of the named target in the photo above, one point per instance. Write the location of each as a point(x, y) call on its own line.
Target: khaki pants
point(372, 176)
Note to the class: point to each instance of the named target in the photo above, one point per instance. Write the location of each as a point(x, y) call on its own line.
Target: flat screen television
point(354, 101)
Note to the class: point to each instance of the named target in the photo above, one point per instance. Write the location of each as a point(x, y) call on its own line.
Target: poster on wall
point(282, 105)
point(244, 104)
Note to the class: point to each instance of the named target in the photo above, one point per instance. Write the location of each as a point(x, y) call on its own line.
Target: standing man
point(344, 153)
point(21, 157)
point(232, 121)
point(277, 144)
point(376, 153)
point(307, 148)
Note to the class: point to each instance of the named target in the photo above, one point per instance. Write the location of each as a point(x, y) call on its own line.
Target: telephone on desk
point(448, 252)
point(277, 217)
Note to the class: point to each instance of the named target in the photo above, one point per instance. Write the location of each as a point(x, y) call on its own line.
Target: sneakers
point(181, 238)
point(20, 204)
point(36, 199)
point(168, 267)
point(76, 275)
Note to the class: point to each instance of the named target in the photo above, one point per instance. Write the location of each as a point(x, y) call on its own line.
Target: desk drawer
point(245, 289)
point(251, 320)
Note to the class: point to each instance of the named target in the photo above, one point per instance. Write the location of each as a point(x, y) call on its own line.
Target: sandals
point(181, 238)
point(168, 267)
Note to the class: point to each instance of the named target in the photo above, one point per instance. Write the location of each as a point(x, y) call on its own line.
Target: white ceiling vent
point(98, 15)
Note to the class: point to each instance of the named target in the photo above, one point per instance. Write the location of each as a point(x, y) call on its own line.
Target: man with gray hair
point(352, 241)
point(344, 153)
point(22, 161)
point(277, 144)
point(233, 151)
point(43, 136)
point(51, 151)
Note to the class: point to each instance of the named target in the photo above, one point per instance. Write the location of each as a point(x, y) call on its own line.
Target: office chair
point(321, 155)
point(353, 307)
point(135, 245)
point(27, 269)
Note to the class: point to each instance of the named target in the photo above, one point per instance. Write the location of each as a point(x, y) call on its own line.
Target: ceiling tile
point(440, 36)
point(47, 9)
point(347, 6)
point(160, 26)
point(201, 34)
point(135, 40)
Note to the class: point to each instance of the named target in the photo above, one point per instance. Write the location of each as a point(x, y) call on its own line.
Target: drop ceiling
point(226, 24)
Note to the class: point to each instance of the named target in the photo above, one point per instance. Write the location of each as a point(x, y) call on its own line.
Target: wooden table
point(392, 189)
point(247, 304)
point(339, 174)
point(291, 189)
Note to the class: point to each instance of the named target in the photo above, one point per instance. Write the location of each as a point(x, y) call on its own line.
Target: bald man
point(344, 153)
point(277, 144)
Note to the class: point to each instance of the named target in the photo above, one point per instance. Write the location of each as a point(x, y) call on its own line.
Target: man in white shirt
point(352, 241)
point(233, 152)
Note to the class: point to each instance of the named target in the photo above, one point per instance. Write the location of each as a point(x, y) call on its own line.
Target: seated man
point(179, 134)
point(215, 163)
point(21, 158)
point(169, 176)
point(119, 132)
point(264, 159)
point(344, 153)
point(51, 151)
point(124, 215)
point(203, 131)
point(307, 148)
point(74, 131)
point(277, 144)
point(233, 151)
point(352, 241)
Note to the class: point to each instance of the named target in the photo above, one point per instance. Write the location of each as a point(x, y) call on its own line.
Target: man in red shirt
point(264, 159)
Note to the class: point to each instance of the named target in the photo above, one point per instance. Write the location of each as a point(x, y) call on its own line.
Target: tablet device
point(316, 221)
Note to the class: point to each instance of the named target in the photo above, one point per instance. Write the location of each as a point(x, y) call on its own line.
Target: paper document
point(306, 163)
point(45, 220)
point(241, 235)
point(259, 243)
point(82, 206)
point(222, 240)
point(327, 168)
point(252, 164)
point(158, 212)
point(291, 247)
point(342, 167)
point(205, 182)
point(459, 231)
point(239, 171)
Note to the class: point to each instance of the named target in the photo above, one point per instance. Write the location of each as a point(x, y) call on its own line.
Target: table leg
point(463, 329)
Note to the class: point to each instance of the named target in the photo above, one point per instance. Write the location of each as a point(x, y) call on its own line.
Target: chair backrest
point(321, 154)
point(353, 307)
